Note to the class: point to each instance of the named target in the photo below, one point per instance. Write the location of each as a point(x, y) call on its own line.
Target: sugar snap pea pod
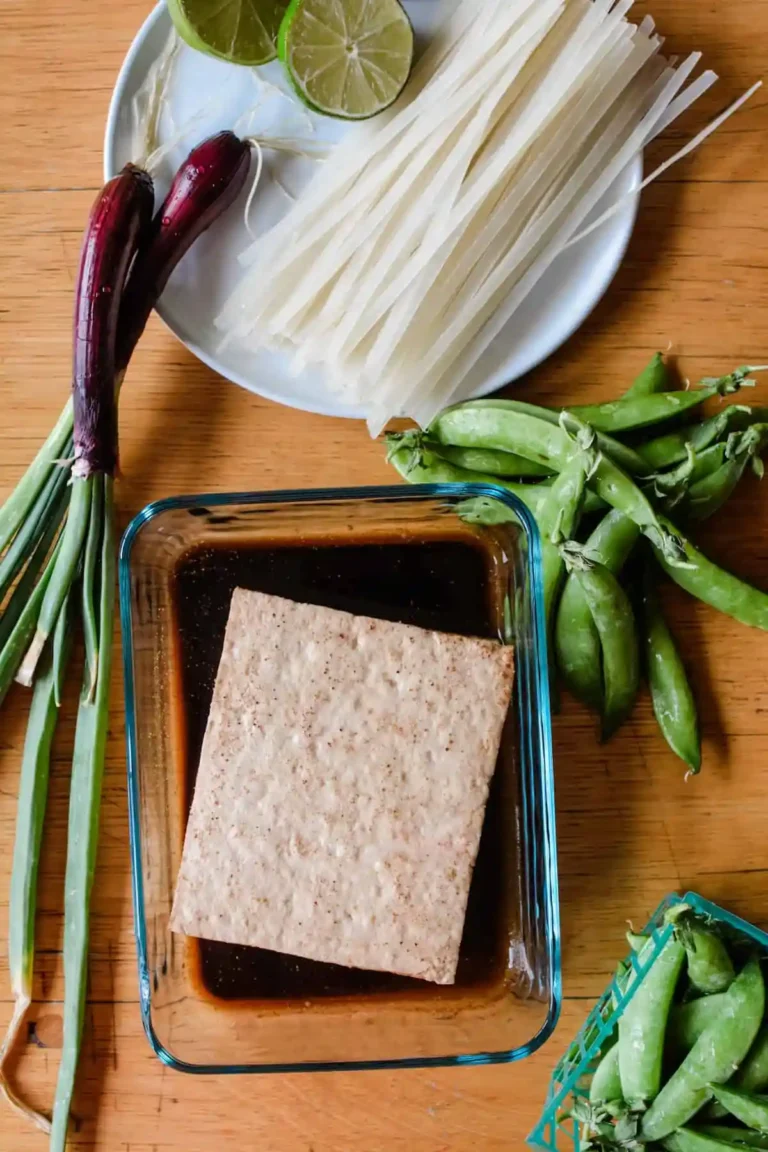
point(708, 494)
point(669, 449)
point(425, 467)
point(708, 582)
point(577, 647)
point(558, 516)
point(673, 704)
point(630, 412)
point(705, 481)
point(695, 1140)
point(752, 1110)
point(625, 457)
point(488, 460)
point(752, 1076)
point(472, 426)
point(708, 461)
point(703, 486)
point(577, 643)
point(655, 377)
point(670, 487)
point(688, 1021)
point(614, 620)
point(710, 968)
point(643, 1024)
point(712, 1060)
point(733, 1137)
point(606, 1082)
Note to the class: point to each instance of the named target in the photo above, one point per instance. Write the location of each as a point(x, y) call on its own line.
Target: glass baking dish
point(415, 554)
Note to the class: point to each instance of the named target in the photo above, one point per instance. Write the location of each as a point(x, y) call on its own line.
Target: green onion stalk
point(57, 565)
point(58, 559)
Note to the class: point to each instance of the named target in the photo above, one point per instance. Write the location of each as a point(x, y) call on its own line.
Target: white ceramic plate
point(207, 95)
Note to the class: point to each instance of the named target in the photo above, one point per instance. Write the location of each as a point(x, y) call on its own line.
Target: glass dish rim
point(542, 739)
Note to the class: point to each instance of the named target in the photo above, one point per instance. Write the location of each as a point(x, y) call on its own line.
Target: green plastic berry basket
point(558, 1130)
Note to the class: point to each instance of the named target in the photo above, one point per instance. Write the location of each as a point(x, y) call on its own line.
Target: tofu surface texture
point(342, 787)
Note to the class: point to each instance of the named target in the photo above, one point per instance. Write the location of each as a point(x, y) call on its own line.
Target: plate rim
point(325, 406)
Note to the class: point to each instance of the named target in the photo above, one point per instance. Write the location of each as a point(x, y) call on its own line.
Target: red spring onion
point(207, 183)
point(119, 220)
point(120, 216)
point(52, 536)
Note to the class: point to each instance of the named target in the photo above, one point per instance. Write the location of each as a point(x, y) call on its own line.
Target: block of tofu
point(342, 787)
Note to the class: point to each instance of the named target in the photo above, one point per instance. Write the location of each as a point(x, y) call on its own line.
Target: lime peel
point(347, 58)
point(239, 31)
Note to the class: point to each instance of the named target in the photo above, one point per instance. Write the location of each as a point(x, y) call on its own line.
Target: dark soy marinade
point(433, 584)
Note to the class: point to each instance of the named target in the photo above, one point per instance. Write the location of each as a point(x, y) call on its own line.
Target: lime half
point(241, 31)
point(347, 58)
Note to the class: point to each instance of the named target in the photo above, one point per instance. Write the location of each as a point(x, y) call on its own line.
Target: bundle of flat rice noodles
point(426, 229)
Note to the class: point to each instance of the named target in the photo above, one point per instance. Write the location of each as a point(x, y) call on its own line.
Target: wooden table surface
point(630, 829)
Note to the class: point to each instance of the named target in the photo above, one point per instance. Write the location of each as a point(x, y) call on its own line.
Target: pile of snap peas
point(684, 1069)
point(627, 479)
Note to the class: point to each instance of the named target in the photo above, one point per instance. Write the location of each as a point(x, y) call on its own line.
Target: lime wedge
point(347, 58)
point(241, 31)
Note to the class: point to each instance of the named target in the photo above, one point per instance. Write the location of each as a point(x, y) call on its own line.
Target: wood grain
point(630, 829)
